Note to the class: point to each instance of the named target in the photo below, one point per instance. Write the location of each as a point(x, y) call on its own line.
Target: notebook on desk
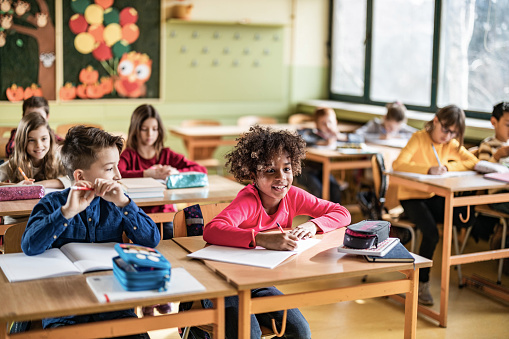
point(498, 176)
point(397, 254)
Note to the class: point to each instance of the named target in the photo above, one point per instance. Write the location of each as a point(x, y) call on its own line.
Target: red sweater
point(132, 165)
point(238, 224)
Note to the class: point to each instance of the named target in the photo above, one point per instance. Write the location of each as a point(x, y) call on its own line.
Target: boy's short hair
point(83, 143)
point(499, 109)
point(35, 102)
point(395, 111)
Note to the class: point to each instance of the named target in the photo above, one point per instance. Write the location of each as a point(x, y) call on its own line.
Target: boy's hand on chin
point(78, 200)
point(111, 190)
point(277, 241)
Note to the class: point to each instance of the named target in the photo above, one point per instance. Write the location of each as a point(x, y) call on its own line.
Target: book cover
point(382, 249)
point(498, 176)
point(72, 258)
point(107, 289)
point(132, 185)
point(398, 254)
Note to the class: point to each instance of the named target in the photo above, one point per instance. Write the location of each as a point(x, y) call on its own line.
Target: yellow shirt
point(418, 157)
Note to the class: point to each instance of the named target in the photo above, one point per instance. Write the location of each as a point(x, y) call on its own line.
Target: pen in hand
point(81, 188)
point(23, 173)
point(436, 155)
point(280, 228)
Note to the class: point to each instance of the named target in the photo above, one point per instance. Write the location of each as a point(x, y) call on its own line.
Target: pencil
point(81, 188)
point(280, 228)
point(436, 155)
point(23, 173)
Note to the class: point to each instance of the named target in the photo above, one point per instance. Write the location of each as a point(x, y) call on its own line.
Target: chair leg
point(185, 332)
point(502, 245)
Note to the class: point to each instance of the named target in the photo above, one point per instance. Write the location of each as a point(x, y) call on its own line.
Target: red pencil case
point(366, 233)
point(21, 192)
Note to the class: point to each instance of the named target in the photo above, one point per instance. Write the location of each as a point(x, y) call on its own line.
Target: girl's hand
point(77, 200)
point(159, 171)
point(305, 230)
point(277, 241)
point(27, 182)
point(437, 170)
point(111, 190)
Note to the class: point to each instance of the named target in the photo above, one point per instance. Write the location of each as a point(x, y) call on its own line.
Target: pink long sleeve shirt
point(238, 224)
point(132, 165)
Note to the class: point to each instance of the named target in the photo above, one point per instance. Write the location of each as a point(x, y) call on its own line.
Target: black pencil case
point(366, 234)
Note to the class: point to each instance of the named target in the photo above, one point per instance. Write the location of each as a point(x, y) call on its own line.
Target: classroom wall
point(304, 75)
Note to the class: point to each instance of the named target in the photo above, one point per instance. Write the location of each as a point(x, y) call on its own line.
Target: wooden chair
point(180, 230)
point(61, 130)
point(300, 118)
point(12, 236)
point(204, 155)
point(250, 120)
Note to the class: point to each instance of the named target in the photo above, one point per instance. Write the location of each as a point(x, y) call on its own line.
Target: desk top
point(454, 184)
point(69, 295)
point(321, 262)
point(219, 189)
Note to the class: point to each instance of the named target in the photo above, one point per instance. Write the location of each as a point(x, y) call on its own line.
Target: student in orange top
point(444, 133)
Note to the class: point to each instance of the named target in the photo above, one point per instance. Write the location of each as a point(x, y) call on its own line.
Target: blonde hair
point(51, 166)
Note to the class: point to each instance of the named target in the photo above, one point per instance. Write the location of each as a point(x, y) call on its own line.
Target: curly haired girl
point(270, 158)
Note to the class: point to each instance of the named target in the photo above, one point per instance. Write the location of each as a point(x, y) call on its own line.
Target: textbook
point(72, 258)
point(379, 251)
point(138, 188)
point(398, 254)
point(498, 176)
point(107, 289)
point(259, 256)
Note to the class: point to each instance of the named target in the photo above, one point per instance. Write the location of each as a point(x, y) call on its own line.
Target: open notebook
point(259, 256)
point(72, 258)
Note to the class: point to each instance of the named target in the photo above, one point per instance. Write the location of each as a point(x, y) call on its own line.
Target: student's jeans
point(311, 179)
point(425, 214)
point(296, 325)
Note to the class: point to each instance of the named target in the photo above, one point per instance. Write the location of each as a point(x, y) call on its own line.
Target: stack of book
point(389, 250)
point(138, 188)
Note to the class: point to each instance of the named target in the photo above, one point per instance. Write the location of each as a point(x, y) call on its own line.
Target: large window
point(425, 53)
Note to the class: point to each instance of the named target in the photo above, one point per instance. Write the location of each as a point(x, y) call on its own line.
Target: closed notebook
point(498, 176)
point(397, 254)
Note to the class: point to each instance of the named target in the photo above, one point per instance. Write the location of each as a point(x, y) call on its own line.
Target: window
point(425, 53)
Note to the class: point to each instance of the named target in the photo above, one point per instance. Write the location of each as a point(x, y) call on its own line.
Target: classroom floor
point(471, 314)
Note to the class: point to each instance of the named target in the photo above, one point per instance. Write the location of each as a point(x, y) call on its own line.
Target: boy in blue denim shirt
point(101, 214)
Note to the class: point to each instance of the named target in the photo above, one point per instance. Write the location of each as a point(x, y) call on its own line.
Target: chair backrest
point(61, 130)
point(208, 211)
point(300, 118)
point(250, 120)
point(12, 237)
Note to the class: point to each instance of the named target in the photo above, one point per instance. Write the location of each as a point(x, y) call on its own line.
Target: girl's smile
point(38, 144)
point(273, 181)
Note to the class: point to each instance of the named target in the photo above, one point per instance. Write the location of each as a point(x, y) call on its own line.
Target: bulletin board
point(27, 49)
point(214, 61)
point(112, 52)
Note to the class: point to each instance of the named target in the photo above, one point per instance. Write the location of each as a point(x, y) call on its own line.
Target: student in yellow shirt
point(445, 135)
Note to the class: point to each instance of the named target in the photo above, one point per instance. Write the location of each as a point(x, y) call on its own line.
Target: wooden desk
point(446, 187)
point(213, 136)
point(320, 263)
point(219, 189)
point(334, 160)
point(31, 300)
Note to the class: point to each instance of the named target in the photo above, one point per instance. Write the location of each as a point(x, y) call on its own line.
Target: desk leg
point(446, 260)
point(244, 314)
point(4, 332)
point(326, 170)
point(411, 302)
point(219, 324)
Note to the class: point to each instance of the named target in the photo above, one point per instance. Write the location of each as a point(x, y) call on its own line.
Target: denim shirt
point(101, 221)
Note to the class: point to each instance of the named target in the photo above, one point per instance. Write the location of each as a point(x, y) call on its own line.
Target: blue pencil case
point(187, 180)
point(139, 268)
